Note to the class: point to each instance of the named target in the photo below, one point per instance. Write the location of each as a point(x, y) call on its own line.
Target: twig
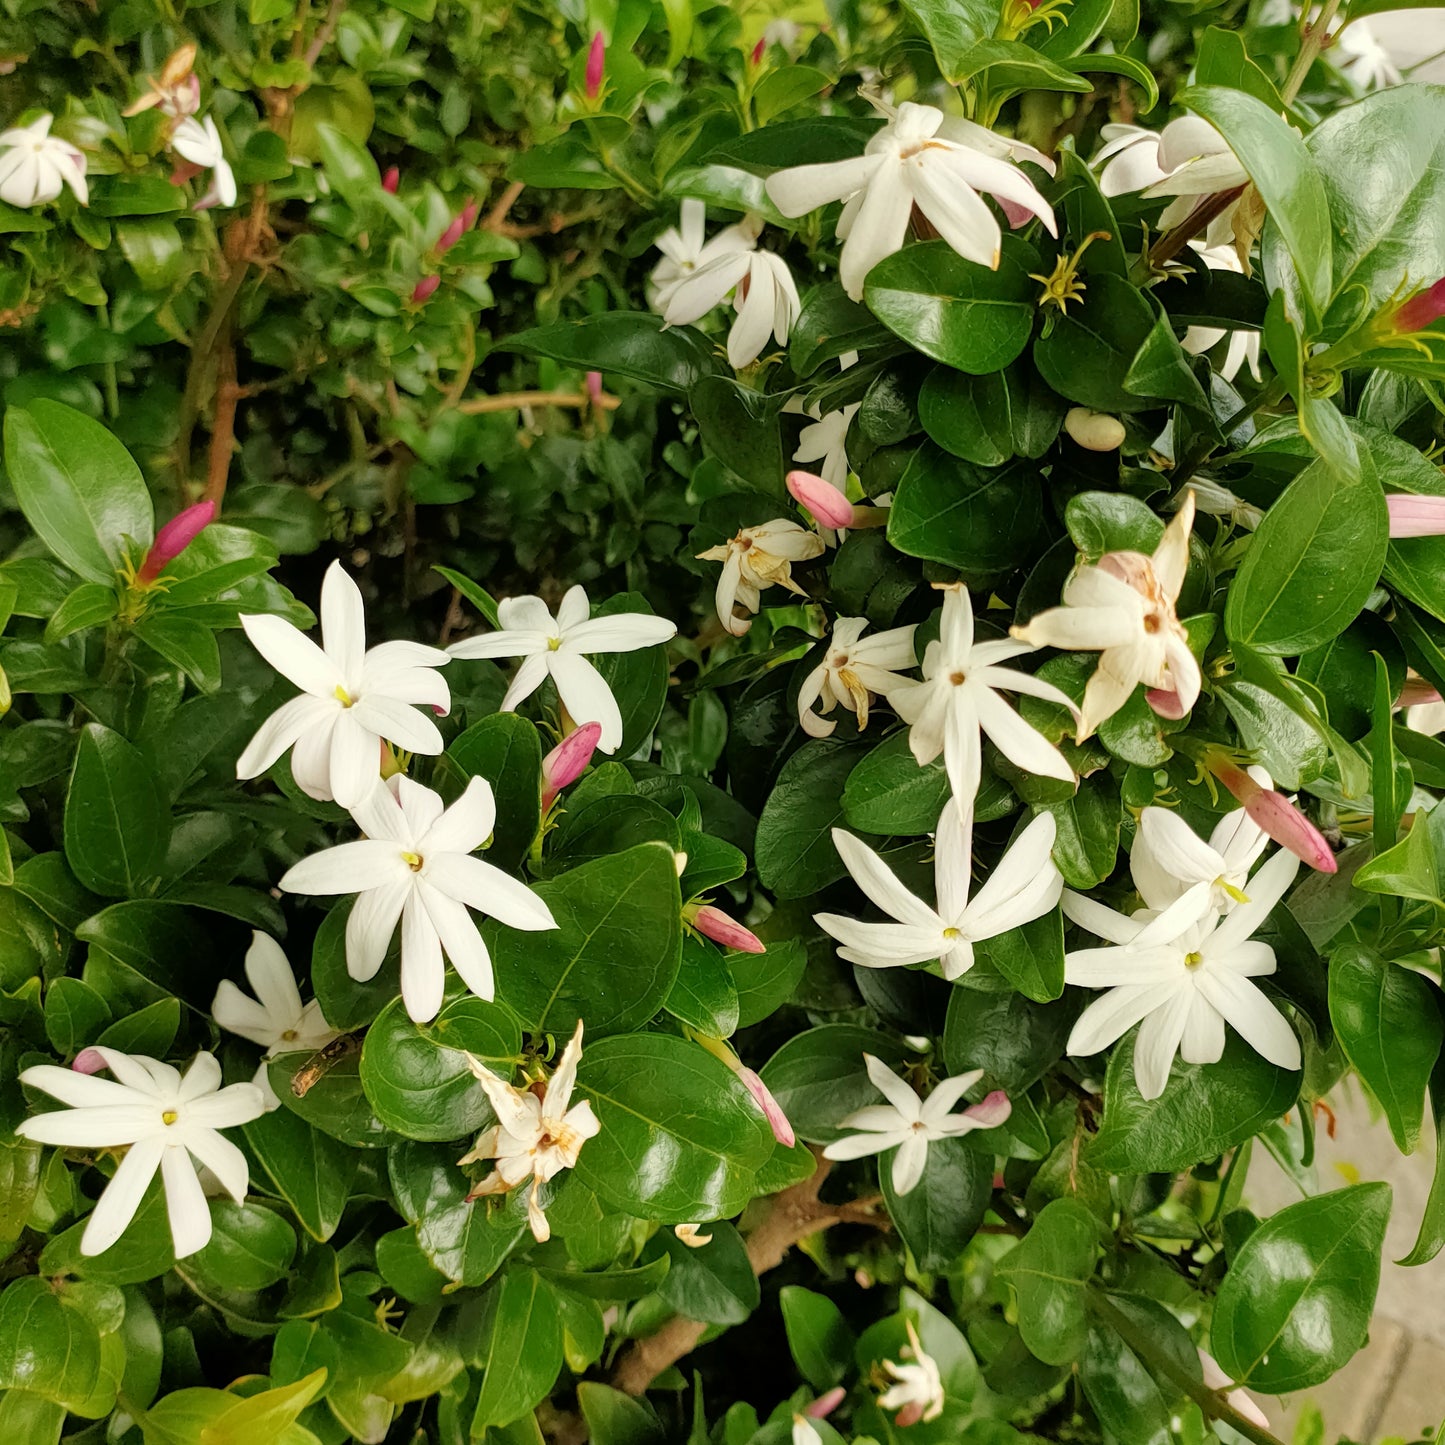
point(1168, 246)
point(1313, 36)
point(791, 1217)
point(1212, 1402)
point(496, 218)
point(324, 32)
point(515, 400)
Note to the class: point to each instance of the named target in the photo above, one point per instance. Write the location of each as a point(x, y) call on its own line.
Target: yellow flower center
point(342, 696)
point(169, 1117)
point(957, 678)
point(412, 861)
point(951, 934)
point(1193, 960)
point(553, 643)
point(1238, 894)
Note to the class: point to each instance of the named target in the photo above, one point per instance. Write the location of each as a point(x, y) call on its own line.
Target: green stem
point(1267, 397)
point(108, 374)
point(1212, 1402)
point(1312, 41)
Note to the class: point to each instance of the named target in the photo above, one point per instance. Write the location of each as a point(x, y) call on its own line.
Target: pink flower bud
point(391, 180)
point(1277, 816)
point(991, 1111)
point(777, 1120)
point(824, 1405)
point(470, 211)
point(173, 539)
point(1421, 310)
point(451, 235)
point(594, 387)
point(1412, 516)
point(760, 50)
point(1165, 703)
point(821, 498)
point(568, 761)
point(1417, 693)
point(910, 1414)
point(425, 288)
point(88, 1061)
point(596, 58)
point(713, 923)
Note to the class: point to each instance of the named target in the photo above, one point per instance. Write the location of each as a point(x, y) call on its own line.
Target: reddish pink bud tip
point(821, 498)
point(1412, 516)
point(174, 538)
point(824, 1405)
point(391, 180)
point(1277, 817)
point(88, 1061)
point(425, 288)
point(1166, 704)
point(594, 387)
point(1422, 310)
point(991, 1111)
point(451, 235)
point(713, 923)
point(777, 1120)
point(596, 58)
point(568, 761)
point(910, 1414)
point(470, 211)
point(1417, 693)
point(760, 50)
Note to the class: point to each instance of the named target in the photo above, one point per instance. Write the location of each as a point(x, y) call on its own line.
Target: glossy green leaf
point(818, 1336)
point(818, 1077)
point(523, 1352)
point(942, 1212)
point(310, 1170)
point(1048, 1270)
point(625, 343)
point(795, 852)
point(116, 822)
point(713, 1283)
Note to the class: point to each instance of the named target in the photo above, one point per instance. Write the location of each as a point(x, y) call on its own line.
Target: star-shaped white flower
point(825, 441)
point(958, 701)
point(351, 699)
point(534, 1137)
point(276, 1019)
point(1169, 860)
point(1185, 977)
point(764, 296)
point(920, 158)
point(35, 165)
point(1123, 608)
point(1024, 886)
point(199, 142)
point(167, 1120)
point(908, 1123)
point(853, 670)
point(557, 647)
point(415, 865)
point(1243, 344)
point(685, 248)
point(917, 1391)
point(1357, 51)
point(758, 557)
point(1129, 159)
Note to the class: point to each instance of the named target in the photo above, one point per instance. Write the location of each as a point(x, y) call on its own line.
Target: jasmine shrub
point(707, 713)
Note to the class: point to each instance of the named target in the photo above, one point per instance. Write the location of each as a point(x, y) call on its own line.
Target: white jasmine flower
point(825, 441)
point(1024, 886)
point(958, 701)
point(35, 165)
point(685, 248)
point(1357, 51)
point(1130, 159)
point(804, 1431)
point(276, 1019)
point(1243, 343)
point(415, 865)
point(352, 698)
point(1197, 163)
point(1168, 860)
point(534, 1137)
point(917, 1393)
point(176, 90)
point(853, 669)
point(920, 158)
point(1426, 717)
point(557, 647)
point(908, 1123)
point(1185, 977)
point(1215, 500)
point(764, 296)
point(1123, 608)
point(168, 1121)
point(199, 142)
point(757, 558)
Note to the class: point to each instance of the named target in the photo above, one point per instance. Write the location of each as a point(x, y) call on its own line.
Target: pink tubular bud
point(391, 180)
point(594, 387)
point(910, 1414)
point(760, 50)
point(1416, 692)
point(990, 1111)
point(1421, 310)
point(713, 923)
point(596, 59)
point(1165, 704)
point(1276, 816)
point(1412, 516)
point(451, 235)
point(772, 1112)
point(821, 498)
point(425, 288)
point(470, 212)
point(825, 1404)
point(568, 761)
point(88, 1061)
point(173, 539)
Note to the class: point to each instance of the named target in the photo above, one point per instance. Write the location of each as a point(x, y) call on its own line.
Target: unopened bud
point(760, 50)
point(713, 923)
point(568, 761)
point(596, 59)
point(1421, 310)
point(173, 539)
point(821, 498)
point(1276, 816)
point(594, 387)
point(1416, 692)
point(1095, 431)
point(88, 1061)
point(425, 288)
point(826, 1403)
point(1412, 516)
point(391, 180)
point(451, 235)
point(772, 1110)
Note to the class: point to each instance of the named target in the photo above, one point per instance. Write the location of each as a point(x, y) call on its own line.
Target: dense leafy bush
point(568, 858)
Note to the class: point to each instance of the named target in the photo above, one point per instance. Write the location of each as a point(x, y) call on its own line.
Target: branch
point(515, 400)
point(1167, 247)
point(324, 32)
point(791, 1217)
